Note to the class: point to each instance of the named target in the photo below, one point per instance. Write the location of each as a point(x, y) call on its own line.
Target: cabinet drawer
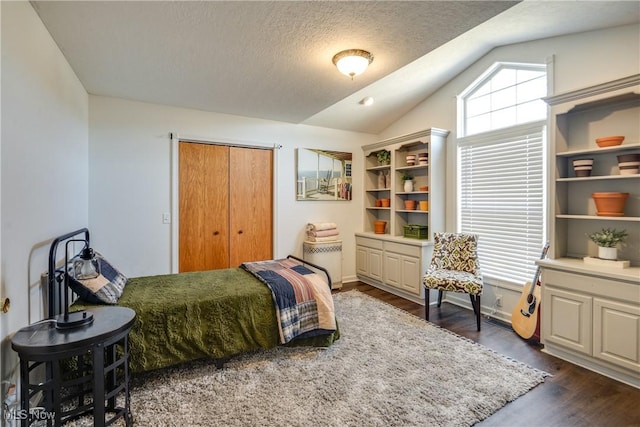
point(616, 333)
point(370, 243)
point(401, 249)
point(596, 286)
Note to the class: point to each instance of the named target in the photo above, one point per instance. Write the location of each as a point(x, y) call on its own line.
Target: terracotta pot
point(385, 203)
point(610, 203)
point(378, 203)
point(410, 205)
point(379, 226)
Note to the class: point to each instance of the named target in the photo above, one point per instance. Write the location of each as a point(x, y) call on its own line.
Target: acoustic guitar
point(524, 319)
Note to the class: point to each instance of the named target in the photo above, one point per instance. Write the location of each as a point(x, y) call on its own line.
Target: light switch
point(166, 218)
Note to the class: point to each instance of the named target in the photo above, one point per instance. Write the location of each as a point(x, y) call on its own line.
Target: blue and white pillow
point(104, 289)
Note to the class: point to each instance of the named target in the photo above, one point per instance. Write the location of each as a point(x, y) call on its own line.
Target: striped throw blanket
point(302, 299)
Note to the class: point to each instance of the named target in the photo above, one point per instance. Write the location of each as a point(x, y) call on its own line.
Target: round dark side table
point(86, 369)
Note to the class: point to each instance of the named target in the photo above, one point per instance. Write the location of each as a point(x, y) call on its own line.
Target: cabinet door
point(567, 319)
point(393, 269)
point(616, 333)
point(411, 279)
point(362, 260)
point(375, 264)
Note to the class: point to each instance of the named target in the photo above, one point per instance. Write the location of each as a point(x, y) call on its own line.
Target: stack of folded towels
point(322, 232)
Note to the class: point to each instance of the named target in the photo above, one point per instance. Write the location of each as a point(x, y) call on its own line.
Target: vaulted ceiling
point(272, 60)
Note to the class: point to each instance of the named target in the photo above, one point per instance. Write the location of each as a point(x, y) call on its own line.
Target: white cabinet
point(577, 119)
point(393, 264)
point(390, 260)
point(592, 318)
point(590, 313)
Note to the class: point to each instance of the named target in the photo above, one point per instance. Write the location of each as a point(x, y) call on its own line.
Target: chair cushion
point(453, 251)
point(453, 281)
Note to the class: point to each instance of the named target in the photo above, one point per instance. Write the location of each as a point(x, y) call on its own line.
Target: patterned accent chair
point(455, 268)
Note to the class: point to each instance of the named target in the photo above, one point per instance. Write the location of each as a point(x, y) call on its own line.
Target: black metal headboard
point(55, 283)
point(324, 270)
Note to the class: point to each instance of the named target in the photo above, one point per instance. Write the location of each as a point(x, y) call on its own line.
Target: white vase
point(381, 180)
point(408, 186)
point(607, 253)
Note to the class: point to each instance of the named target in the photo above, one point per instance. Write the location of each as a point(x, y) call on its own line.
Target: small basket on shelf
point(415, 231)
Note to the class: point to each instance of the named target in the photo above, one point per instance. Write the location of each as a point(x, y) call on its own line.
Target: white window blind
point(501, 198)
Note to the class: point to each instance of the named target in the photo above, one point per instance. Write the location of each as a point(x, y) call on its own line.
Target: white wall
point(580, 60)
point(130, 179)
point(43, 168)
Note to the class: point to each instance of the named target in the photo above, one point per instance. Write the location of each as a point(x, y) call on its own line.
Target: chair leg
point(426, 304)
point(440, 298)
point(475, 303)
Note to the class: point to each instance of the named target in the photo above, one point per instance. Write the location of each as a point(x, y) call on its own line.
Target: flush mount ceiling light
point(367, 101)
point(352, 62)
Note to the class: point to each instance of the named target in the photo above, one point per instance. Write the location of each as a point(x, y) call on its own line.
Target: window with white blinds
point(501, 198)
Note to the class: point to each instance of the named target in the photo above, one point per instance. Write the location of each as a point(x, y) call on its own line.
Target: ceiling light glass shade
point(352, 62)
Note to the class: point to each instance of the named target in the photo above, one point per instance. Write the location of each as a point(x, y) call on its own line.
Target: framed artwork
point(323, 175)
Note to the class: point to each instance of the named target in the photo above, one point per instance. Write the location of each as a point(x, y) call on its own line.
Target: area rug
point(389, 368)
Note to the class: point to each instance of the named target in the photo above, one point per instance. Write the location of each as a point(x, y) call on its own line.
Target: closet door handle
point(240, 232)
point(215, 233)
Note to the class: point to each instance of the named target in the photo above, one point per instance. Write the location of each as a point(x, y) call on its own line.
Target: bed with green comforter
point(211, 314)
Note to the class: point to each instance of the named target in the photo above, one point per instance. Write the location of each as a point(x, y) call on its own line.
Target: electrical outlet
point(166, 218)
point(498, 300)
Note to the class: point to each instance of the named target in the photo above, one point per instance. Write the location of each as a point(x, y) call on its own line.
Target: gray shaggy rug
point(389, 368)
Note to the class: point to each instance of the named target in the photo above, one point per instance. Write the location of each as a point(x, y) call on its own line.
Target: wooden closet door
point(251, 205)
point(203, 207)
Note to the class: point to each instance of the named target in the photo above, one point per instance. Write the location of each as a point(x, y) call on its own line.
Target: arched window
point(502, 119)
point(505, 95)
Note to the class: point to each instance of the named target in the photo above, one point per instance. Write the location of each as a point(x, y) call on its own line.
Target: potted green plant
point(607, 240)
point(408, 182)
point(384, 157)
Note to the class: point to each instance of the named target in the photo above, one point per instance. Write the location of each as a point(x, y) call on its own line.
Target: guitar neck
point(536, 277)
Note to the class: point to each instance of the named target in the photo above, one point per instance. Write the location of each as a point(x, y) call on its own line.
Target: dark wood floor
point(574, 396)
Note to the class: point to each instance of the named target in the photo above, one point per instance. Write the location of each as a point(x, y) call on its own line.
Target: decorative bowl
point(609, 141)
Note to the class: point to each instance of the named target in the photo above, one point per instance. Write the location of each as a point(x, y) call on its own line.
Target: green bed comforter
point(211, 314)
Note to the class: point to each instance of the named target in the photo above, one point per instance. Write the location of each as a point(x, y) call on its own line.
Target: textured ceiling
point(272, 60)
